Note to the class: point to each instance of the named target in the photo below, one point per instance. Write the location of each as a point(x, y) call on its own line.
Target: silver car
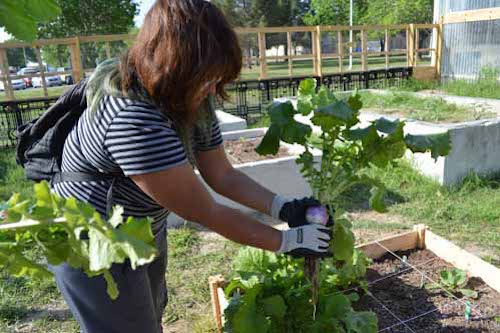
point(50, 81)
point(16, 85)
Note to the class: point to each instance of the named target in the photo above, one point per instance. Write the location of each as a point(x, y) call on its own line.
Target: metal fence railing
point(15, 113)
point(249, 99)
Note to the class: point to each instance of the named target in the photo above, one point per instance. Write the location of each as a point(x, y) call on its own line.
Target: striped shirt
point(129, 137)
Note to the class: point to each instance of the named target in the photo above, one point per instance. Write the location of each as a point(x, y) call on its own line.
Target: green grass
point(468, 214)
point(12, 176)
point(34, 92)
point(485, 87)
point(329, 66)
point(434, 110)
point(403, 104)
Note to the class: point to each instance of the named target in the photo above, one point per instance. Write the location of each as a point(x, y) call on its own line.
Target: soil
point(243, 151)
point(398, 291)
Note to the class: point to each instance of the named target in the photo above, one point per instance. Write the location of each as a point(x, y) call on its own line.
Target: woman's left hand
point(294, 212)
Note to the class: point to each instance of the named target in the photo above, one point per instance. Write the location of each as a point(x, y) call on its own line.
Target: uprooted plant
point(67, 230)
point(277, 294)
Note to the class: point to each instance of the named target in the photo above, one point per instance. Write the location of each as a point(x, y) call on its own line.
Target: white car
point(50, 81)
point(16, 85)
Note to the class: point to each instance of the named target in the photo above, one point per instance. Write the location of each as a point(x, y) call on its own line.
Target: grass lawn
point(435, 110)
point(404, 105)
point(483, 88)
point(34, 92)
point(329, 66)
point(468, 214)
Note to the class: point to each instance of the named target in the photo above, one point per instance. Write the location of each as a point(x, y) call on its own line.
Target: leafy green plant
point(314, 302)
point(453, 281)
point(271, 294)
point(66, 230)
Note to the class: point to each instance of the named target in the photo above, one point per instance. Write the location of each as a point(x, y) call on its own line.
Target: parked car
point(17, 84)
point(66, 78)
point(28, 71)
point(50, 81)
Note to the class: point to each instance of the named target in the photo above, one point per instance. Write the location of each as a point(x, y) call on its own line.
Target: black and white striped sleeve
point(141, 140)
point(208, 142)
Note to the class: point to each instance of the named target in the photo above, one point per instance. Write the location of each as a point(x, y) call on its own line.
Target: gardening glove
point(294, 211)
point(309, 240)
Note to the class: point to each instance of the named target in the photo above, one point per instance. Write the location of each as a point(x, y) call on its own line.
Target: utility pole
point(350, 36)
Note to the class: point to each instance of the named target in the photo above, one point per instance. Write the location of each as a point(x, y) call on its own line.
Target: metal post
point(350, 35)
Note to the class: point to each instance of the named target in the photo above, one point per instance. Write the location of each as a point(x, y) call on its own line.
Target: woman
point(150, 118)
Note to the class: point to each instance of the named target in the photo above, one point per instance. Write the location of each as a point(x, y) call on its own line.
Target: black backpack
point(41, 142)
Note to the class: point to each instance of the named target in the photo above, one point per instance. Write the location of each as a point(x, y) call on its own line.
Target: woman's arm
point(231, 183)
point(180, 191)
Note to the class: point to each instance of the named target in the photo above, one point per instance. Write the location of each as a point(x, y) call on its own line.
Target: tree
point(87, 17)
point(21, 17)
point(18, 57)
point(262, 13)
point(398, 12)
point(334, 12)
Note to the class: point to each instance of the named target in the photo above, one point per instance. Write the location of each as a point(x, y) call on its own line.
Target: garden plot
point(405, 267)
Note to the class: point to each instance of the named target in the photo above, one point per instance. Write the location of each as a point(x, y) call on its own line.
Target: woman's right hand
point(308, 240)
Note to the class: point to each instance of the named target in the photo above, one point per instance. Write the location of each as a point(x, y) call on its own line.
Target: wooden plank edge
point(485, 14)
point(462, 259)
point(400, 242)
point(216, 282)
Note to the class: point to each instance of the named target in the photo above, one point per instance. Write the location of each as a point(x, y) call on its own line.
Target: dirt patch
point(211, 242)
point(243, 151)
point(403, 304)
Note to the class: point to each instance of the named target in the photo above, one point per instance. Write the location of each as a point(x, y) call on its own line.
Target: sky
point(144, 6)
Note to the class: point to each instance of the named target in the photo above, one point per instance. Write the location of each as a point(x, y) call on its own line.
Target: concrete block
point(475, 146)
point(246, 134)
point(228, 122)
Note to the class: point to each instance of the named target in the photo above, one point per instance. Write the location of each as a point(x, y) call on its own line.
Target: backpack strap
point(78, 177)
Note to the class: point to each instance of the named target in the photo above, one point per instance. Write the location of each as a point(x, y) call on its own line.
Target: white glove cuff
point(276, 206)
point(284, 242)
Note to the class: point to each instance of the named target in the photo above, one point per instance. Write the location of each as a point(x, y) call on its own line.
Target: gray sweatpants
point(142, 300)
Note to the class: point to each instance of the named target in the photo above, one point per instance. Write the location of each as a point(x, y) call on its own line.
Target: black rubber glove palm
point(294, 212)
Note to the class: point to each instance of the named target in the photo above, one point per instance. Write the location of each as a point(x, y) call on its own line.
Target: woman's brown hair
point(182, 49)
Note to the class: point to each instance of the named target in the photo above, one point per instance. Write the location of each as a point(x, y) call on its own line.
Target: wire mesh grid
point(387, 305)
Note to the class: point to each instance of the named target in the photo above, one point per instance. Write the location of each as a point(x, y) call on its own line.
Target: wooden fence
point(344, 49)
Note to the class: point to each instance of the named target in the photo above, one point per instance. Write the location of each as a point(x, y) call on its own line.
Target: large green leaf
point(387, 126)
point(281, 113)
point(274, 306)
point(437, 144)
point(14, 262)
point(295, 132)
point(354, 102)
point(337, 306)
point(361, 322)
point(247, 318)
point(58, 234)
point(335, 114)
point(283, 127)
point(21, 17)
point(342, 242)
point(270, 143)
point(307, 87)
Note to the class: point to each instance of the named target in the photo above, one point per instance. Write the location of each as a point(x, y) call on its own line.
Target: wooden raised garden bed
point(402, 265)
